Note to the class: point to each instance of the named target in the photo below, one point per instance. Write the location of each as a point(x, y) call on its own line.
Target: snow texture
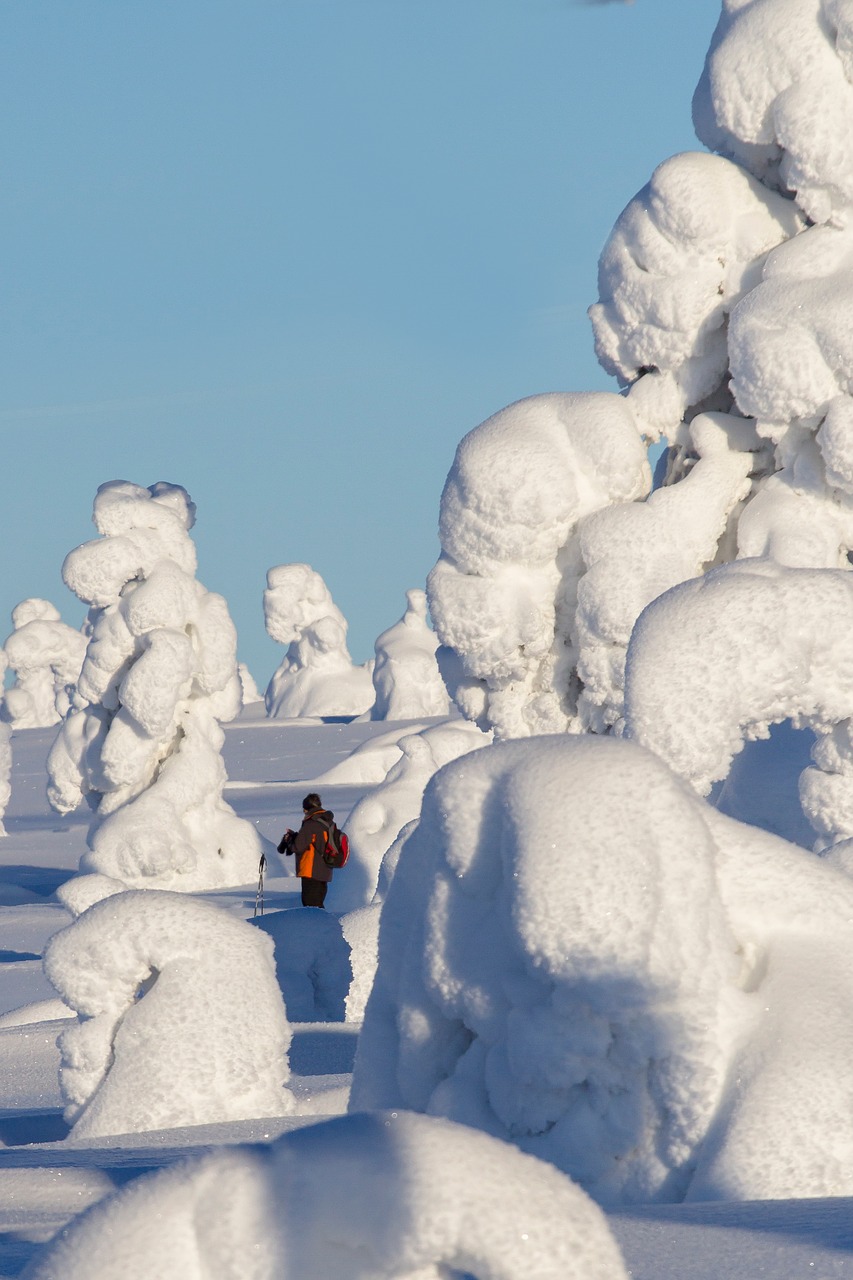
point(634, 551)
point(503, 594)
point(312, 962)
point(417, 1197)
point(406, 678)
point(716, 661)
point(180, 1019)
point(361, 932)
point(679, 258)
point(45, 655)
point(317, 676)
point(777, 96)
point(377, 819)
point(142, 743)
point(578, 954)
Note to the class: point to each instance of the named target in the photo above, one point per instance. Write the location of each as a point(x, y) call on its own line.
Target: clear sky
point(288, 252)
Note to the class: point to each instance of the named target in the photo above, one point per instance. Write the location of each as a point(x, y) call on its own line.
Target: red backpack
point(336, 852)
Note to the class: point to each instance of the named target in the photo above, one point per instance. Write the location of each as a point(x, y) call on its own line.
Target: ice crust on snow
point(406, 678)
point(502, 595)
point(180, 1018)
point(142, 742)
point(777, 96)
point(424, 1198)
point(317, 676)
point(580, 955)
point(45, 655)
point(724, 683)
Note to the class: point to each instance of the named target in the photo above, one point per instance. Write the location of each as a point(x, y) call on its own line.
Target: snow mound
point(423, 1197)
point(777, 96)
point(142, 744)
point(551, 955)
point(45, 655)
point(377, 819)
point(502, 594)
point(180, 1017)
point(406, 677)
point(312, 962)
point(578, 954)
point(678, 259)
point(317, 676)
point(718, 660)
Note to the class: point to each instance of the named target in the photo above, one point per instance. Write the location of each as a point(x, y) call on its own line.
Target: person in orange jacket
point(308, 844)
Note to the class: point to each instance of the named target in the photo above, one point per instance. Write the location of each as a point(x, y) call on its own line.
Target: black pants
point(313, 892)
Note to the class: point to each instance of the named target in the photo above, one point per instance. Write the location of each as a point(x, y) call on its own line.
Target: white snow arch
point(181, 1020)
point(424, 1197)
point(717, 660)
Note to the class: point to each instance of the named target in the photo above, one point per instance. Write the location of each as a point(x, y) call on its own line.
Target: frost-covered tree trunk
point(726, 288)
point(142, 743)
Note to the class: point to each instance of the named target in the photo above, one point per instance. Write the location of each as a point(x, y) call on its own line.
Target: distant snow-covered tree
point(318, 676)
point(143, 742)
point(45, 655)
point(406, 677)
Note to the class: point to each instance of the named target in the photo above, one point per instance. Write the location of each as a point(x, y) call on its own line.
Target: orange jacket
point(309, 843)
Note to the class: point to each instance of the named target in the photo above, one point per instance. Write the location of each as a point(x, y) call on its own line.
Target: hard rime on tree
point(45, 655)
point(318, 676)
point(142, 742)
point(725, 295)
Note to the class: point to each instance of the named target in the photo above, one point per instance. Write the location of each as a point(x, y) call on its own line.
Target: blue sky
point(288, 252)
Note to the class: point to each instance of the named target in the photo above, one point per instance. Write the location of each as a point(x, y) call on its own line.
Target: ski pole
point(259, 896)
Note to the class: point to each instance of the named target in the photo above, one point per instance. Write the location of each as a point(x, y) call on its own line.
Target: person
point(307, 844)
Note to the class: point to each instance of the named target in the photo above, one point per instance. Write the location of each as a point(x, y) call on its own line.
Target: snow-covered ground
point(47, 1178)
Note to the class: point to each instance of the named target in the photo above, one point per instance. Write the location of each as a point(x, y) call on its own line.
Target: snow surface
point(391, 1195)
point(268, 762)
point(317, 676)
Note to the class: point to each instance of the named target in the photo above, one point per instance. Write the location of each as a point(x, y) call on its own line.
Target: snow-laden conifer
point(45, 656)
point(406, 677)
point(142, 743)
point(317, 676)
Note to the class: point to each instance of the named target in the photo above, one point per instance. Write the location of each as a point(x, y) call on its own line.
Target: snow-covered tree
point(406, 677)
point(142, 744)
point(318, 676)
point(725, 293)
point(45, 655)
